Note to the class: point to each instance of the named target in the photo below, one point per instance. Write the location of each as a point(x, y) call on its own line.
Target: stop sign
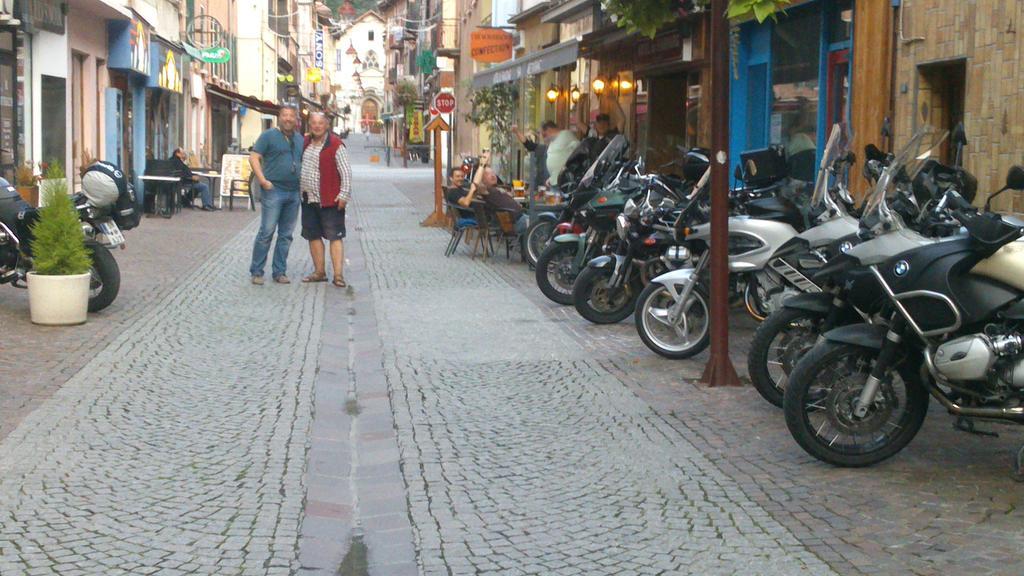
point(444, 102)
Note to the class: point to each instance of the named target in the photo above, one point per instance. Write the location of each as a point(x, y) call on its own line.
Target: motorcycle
point(845, 297)
point(605, 292)
point(106, 207)
point(954, 315)
point(671, 314)
point(590, 220)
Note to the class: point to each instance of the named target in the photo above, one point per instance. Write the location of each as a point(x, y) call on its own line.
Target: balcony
point(446, 38)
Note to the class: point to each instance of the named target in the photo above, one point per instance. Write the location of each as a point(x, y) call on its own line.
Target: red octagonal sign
point(444, 102)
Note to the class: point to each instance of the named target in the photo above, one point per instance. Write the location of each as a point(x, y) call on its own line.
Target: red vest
point(330, 178)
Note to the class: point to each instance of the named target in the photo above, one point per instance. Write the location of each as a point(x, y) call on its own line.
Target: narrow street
point(437, 417)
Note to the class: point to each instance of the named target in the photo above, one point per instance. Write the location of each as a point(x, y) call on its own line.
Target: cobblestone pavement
point(159, 254)
point(510, 397)
point(180, 448)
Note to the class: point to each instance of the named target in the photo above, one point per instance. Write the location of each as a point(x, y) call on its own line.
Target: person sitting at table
point(457, 187)
point(485, 185)
point(202, 188)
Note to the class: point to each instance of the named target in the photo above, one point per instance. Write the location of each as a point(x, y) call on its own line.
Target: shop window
point(840, 28)
point(940, 97)
point(795, 70)
point(53, 116)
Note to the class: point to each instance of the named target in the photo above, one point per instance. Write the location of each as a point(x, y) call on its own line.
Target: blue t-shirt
point(282, 158)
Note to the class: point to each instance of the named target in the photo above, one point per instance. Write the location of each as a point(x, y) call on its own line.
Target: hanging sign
point(218, 55)
point(314, 74)
point(490, 45)
point(415, 120)
point(318, 49)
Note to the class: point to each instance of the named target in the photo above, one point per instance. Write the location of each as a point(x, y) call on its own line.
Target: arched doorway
point(369, 117)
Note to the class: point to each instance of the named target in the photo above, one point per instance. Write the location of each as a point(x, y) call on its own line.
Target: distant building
point(357, 65)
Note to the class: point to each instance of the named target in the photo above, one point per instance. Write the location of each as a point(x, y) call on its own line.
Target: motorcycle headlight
point(621, 226)
point(630, 209)
point(677, 253)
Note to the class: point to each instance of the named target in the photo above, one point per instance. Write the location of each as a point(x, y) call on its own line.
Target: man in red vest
point(326, 186)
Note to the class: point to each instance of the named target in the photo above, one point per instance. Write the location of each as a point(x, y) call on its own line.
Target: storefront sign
point(129, 46)
point(44, 14)
point(490, 45)
point(168, 72)
point(318, 49)
point(414, 119)
point(314, 75)
point(217, 55)
point(666, 48)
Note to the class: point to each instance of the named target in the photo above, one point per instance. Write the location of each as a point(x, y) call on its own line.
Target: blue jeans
point(280, 211)
point(203, 189)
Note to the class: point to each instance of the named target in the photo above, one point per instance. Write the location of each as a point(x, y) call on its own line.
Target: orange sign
point(490, 45)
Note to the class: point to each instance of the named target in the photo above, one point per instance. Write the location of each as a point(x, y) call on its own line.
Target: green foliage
point(759, 9)
point(494, 106)
point(406, 93)
point(59, 245)
point(360, 5)
point(648, 16)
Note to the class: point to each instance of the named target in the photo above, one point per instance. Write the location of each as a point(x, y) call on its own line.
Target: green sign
point(209, 55)
point(427, 61)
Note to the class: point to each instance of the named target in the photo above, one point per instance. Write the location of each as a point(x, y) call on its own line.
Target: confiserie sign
point(490, 45)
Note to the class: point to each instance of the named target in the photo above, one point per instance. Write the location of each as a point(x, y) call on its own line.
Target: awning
point(547, 59)
point(567, 11)
point(248, 101)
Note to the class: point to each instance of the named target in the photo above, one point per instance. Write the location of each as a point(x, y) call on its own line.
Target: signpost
point(436, 126)
point(444, 102)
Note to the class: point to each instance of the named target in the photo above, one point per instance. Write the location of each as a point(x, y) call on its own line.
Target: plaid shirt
point(309, 181)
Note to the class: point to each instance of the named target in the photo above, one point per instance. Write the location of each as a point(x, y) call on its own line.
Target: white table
point(171, 197)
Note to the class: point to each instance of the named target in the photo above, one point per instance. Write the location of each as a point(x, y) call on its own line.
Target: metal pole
point(719, 370)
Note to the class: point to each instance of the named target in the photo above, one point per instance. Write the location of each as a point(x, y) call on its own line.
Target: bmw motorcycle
point(106, 207)
point(953, 329)
point(847, 293)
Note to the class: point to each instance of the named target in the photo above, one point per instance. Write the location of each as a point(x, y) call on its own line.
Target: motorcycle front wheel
point(821, 396)
point(537, 239)
point(554, 272)
point(779, 343)
point(688, 336)
point(599, 303)
point(105, 277)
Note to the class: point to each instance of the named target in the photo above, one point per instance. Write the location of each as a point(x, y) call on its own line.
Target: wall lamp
point(552, 94)
point(598, 86)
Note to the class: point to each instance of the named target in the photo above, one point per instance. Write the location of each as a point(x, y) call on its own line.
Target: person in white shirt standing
point(326, 187)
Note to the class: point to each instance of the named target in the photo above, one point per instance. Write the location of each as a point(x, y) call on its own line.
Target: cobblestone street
point(441, 417)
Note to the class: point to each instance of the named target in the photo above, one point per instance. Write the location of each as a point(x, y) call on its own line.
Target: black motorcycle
point(106, 207)
point(954, 329)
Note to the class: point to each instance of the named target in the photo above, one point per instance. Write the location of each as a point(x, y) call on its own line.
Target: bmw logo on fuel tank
point(901, 268)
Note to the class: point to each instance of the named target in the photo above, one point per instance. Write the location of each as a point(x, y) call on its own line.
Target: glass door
point(8, 125)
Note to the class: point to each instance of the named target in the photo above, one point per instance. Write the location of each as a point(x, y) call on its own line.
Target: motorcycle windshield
point(905, 165)
point(835, 148)
point(613, 151)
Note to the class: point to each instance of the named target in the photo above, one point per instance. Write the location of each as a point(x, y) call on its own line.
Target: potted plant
point(58, 285)
point(26, 183)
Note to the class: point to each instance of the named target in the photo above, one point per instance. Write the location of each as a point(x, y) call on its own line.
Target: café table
point(212, 177)
point(165, 182)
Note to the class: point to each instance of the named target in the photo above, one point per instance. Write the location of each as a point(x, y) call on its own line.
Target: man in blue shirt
point(276, 161)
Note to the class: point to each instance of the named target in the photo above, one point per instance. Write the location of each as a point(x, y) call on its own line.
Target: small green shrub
point(59, 245)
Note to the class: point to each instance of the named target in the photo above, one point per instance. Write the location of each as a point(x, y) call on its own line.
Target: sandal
point(340, 282)
point(313, 278)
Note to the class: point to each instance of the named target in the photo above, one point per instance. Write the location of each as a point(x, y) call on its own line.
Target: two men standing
point(289, 169)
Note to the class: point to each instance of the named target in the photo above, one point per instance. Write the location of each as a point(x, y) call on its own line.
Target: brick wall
point(985, 35)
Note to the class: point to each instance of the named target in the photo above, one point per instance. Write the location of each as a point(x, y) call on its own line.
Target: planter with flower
point(27, 184)
point(58, 285)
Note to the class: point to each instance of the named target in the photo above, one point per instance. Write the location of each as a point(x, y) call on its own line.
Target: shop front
point(792, 81)
point(164, 100)
point(15, 83)
point(652, 89)
point(129, 64)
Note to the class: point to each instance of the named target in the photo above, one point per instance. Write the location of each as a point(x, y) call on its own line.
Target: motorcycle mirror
point(738, 173)
point(959, 135)
point(887, 127)
point(1015, 178)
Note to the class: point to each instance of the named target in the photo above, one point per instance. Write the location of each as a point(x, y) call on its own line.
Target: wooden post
point(719, 370)
point(436, 127)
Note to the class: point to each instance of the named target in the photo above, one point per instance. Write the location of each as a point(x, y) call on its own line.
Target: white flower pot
point(58, 300)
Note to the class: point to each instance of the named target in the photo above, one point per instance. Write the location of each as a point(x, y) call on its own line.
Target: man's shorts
point(320, 222)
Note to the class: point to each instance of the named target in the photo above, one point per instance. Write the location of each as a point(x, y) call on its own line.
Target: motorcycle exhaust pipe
point(1012, 414)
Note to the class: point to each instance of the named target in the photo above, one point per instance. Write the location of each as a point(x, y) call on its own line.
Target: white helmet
point(103, 183)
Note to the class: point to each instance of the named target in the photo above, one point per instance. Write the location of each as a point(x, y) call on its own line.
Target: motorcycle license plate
point(112, 233)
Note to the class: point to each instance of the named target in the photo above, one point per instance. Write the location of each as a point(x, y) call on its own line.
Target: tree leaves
point(648, 16)
point(494, 107)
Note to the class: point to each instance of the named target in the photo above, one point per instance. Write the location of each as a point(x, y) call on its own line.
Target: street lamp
point(552, 94)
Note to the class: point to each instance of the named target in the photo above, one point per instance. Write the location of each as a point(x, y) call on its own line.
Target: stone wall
point(980, 37)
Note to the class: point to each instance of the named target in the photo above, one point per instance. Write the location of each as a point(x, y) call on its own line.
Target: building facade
point(358, 62)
